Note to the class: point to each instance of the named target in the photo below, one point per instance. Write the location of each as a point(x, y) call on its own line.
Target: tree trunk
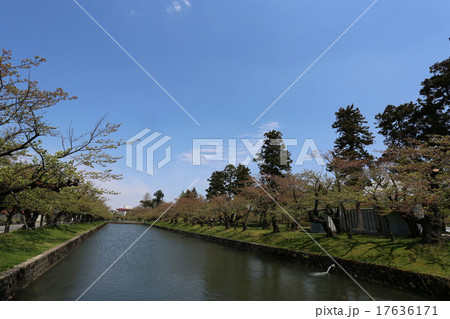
point(315, 216)
point(27, 220)
point(244, 225)
point(388, 223)
point(275, 227)
point(24, 221)
point(55, 220)
point(265, 222)
point(337, 224)
point(432, 231)
point(9, 217)
point(411, 221)
point(48, 219)
point(326, 227)
point(234, 221)
point(324, 222)
point(347, 224)
point(334, 215)
point(227, 223)
point(41, 222)
point(31, 219)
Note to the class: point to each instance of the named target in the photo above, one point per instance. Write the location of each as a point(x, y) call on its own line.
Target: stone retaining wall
point(429, 285)
point(15, 279)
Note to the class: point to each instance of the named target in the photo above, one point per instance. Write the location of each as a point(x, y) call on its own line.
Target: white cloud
point(185, 157)
point(176, 6)
point(205, 152)
point(131, 192)
point(263, 128)
point(132, 12)
point(270, 126)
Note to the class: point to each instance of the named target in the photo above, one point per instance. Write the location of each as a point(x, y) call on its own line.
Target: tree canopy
point(27, 169)
point(420, 120)
point(274, 158)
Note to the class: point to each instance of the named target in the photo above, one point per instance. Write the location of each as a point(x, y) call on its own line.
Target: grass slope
point(405, 253)
point(21, 245)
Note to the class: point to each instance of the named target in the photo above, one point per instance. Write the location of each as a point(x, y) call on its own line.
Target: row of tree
point(410, 177)
point(33, 181)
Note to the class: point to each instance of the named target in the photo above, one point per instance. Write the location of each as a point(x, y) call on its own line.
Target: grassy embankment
point(21, 245)
point(404, 253)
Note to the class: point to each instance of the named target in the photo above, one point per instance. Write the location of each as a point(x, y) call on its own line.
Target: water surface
point(168, 266)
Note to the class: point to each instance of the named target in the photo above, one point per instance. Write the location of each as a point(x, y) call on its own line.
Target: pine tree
point(159, 195)
point(349, 156)
point(216, 184)
point(434, 113)
point(420, 120)
point(274, 158)
point(229, 181)
point(147, 200)
point(189, 193)
point(354, 135)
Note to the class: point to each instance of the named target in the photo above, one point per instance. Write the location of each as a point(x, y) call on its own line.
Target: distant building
point(122, 211)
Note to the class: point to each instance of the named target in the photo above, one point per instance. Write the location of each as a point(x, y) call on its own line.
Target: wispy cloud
point(130, 192)
point(132, 12)
point(185, 157)
point(269, 126)
point(178, 6)
point(205, 152)
point(263, 128)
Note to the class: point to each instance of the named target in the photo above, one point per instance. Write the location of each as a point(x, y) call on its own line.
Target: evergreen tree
point(274, 158)
point(229, 181)
point(189, 193)
point(216, 184)
point(398, 123)
point(434, 112)
point(349, 156)
point(424, 118)
point(354, 135)
point(147, 200)
point(242, 178)
point(159, 195)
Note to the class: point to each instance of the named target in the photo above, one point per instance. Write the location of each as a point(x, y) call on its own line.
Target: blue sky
point(225, 62)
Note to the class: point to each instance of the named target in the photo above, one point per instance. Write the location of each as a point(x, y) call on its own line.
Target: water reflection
point(167, 266)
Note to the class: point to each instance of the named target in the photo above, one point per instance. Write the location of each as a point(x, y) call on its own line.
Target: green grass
point(21, 245)
point(404, 253)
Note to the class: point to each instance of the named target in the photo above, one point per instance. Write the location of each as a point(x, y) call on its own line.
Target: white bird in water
point(316, 274)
